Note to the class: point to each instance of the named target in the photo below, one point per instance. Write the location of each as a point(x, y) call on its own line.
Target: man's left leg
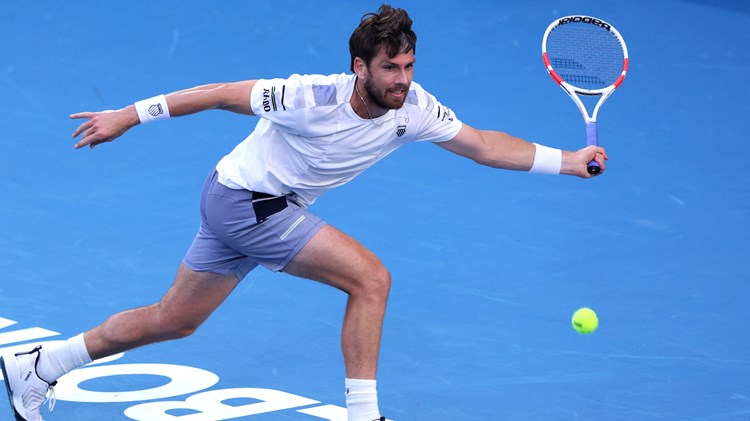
point(336, 259)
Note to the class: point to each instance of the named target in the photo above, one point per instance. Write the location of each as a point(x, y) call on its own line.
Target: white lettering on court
point(211, 405)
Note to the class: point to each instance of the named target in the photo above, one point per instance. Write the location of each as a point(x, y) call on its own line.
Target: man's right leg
point(186, 305)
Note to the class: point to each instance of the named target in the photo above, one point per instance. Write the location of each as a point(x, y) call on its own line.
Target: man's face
point(388, 79)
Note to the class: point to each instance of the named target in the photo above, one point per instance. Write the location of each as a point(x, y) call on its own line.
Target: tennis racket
point(585, 56)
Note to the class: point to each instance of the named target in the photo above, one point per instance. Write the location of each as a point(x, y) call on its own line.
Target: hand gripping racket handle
point(592, 138)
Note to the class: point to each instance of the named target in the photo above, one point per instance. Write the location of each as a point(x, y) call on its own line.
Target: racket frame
point(592, 136)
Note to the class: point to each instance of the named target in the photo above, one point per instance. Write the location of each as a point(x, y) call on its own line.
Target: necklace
point(356, 88)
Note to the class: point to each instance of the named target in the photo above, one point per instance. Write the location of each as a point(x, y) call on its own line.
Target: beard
point(381, 99)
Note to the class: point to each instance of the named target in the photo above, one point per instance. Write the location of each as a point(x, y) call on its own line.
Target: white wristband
point(546, 160)
point(152, 109)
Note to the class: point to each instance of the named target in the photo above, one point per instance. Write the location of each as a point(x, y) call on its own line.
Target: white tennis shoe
point(27, 392)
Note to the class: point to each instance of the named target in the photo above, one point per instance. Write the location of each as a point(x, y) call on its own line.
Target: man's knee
point(191, 300)
point(177, 325)
point(375, 284)
point(383, 281)
point(184, 330)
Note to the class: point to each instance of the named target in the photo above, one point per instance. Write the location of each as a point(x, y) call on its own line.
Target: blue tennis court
point(488, 266)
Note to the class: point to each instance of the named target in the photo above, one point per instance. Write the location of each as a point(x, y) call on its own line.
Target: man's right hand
point(104, 126)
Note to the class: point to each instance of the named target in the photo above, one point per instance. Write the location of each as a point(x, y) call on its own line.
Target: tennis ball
point(585, 320)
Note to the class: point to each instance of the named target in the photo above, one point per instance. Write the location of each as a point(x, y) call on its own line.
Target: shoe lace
point(50, 398)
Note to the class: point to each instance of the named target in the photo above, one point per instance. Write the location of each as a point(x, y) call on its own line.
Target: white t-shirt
point(309, 139)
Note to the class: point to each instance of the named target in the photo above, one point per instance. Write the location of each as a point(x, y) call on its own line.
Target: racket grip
point(592, 138)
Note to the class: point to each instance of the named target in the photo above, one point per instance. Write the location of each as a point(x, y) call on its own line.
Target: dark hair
point(389, 28)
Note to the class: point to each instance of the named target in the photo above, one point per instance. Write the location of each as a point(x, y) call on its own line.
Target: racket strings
point(565, 63)
point(583, 80)
point(584, 55)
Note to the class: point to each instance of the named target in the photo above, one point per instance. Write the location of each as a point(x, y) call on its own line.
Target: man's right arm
point(106, 126)
point(233, 97)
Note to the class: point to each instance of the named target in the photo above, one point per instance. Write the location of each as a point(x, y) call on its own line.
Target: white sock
point(361, 400)
point(58, 360)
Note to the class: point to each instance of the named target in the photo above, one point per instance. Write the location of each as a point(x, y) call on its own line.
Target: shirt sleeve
point(279, 100)
point(437, 122)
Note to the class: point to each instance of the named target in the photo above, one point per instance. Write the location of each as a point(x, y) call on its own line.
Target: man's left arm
point(501, 150)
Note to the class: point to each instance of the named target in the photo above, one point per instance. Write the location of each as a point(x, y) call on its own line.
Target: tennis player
point(315, 133)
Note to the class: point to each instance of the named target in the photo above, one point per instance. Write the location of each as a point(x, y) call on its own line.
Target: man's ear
point(360, 68)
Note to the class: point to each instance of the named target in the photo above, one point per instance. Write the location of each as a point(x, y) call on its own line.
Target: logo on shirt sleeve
point(269, 98)
point(444, 114)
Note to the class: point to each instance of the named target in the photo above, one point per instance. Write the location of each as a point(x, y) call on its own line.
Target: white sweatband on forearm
point(546, 160)
point(152, 109)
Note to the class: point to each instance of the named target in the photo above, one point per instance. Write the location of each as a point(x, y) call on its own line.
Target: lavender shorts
point(241, 229)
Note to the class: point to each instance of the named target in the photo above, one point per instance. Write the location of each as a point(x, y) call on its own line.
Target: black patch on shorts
point(266, 205)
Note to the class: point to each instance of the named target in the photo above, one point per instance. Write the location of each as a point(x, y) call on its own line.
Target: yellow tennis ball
point(585, 320)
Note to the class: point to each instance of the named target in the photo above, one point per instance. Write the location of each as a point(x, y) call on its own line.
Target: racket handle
point(592, 138)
